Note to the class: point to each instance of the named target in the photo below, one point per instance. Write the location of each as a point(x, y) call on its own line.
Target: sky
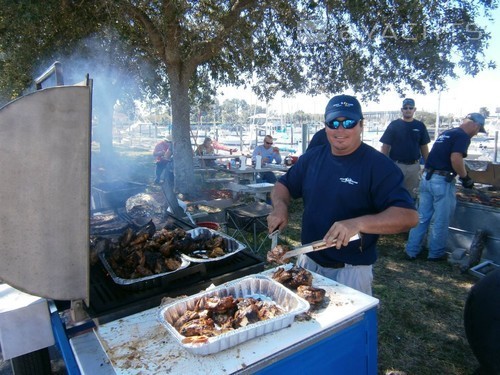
point(464, 95)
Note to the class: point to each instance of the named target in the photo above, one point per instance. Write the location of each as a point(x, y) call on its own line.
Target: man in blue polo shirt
point(437, 188)
point(405, 140)
point(348, 188)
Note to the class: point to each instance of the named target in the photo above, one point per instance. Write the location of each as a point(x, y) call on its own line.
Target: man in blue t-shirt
point(405, 141)
point(269, 153)
point(348, 188)
point(437, 189)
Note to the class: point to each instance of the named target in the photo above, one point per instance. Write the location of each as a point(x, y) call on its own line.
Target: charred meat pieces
point(276, 254)
point(313, 295)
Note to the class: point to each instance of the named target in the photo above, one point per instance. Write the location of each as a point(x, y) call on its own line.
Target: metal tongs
point(274, 238)
point(313, 246)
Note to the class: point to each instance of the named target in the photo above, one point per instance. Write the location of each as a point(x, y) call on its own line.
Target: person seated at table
point(208, 147)
point(269, 154)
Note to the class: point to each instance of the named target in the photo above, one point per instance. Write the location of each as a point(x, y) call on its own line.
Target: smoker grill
point(110, 301)
point(46, 215)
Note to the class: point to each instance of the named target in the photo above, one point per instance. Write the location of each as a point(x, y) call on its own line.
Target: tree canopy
point(192, 47)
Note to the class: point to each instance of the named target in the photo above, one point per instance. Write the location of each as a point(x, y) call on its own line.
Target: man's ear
point(361, 123)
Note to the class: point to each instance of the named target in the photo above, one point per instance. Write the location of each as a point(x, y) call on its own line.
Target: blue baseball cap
point(478, 119)
point(343, 106)
point(409, 101)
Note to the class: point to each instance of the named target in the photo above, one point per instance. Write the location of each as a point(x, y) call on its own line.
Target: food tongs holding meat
point(280, 253)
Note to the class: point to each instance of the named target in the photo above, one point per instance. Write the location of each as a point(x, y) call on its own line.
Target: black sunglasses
point(346, 124)
point(269, 143)
point(409, 108)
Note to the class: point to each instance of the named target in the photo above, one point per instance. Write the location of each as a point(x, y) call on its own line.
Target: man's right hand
point(467, 182)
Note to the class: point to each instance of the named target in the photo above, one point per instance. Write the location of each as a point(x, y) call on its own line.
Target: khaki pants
point(412, 177)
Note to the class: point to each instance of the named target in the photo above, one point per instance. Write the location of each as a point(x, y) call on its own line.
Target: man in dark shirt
point(348, 188)
point(437, 188)
point(405, 140)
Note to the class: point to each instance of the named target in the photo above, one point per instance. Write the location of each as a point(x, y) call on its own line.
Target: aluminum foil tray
point(231, 246)
point(142, 283)
point(256, 286)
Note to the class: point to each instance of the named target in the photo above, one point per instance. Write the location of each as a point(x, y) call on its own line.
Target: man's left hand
point(467, 182)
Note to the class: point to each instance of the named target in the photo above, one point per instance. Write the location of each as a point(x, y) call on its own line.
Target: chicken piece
point(311, 294)
point(126, 237)
point(198, 327)
point(172, 263)
point(215, 241)
point(282, 276)
point(166, 249)
point(140, 239)
point(216, 252)
point(268, 311)
point(247, 313)
point(224, 320)
point(276, 254)
point(184, 318)
point(300, 276)
point(218, 304)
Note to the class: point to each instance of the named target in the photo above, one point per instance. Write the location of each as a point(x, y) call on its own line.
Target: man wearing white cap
point(437, 188)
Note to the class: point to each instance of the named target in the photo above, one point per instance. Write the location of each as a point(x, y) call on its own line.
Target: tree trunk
point(183, 153)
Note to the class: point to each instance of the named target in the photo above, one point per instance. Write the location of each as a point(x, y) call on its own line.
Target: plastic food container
point(256, 286)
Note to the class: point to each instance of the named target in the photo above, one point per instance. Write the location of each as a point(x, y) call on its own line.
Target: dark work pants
point(168, 167)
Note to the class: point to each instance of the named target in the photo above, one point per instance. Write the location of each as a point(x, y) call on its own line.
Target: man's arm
point(424, 150)
point(457, 162)
point(390, 221)
point(278, 218)
point(219, 146)
point(277, 155)
point(385, 149)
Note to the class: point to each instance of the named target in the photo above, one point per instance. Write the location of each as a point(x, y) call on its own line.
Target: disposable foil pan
point(231, 246)
point(141, 283)
point(256, 286)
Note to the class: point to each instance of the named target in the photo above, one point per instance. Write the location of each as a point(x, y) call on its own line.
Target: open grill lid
point(44, 194)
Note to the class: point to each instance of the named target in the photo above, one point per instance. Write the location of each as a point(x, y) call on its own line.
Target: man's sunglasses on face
point(269, 143)
point(408, 108)
point(346, 124)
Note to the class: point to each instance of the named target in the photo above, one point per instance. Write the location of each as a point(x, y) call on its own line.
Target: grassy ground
point(421, 303)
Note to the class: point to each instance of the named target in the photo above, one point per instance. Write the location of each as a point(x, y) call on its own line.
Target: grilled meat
point(247, 313)
point(215, 315)
point(276, 254)
point(294, 277)
point(198, 327)
point(281, 275)
point(300, 276)
point(150, 252)
point(311, 294)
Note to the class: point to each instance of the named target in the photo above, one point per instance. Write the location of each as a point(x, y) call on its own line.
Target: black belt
point(439, 172)
point(406, 162)
point(336, 265)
